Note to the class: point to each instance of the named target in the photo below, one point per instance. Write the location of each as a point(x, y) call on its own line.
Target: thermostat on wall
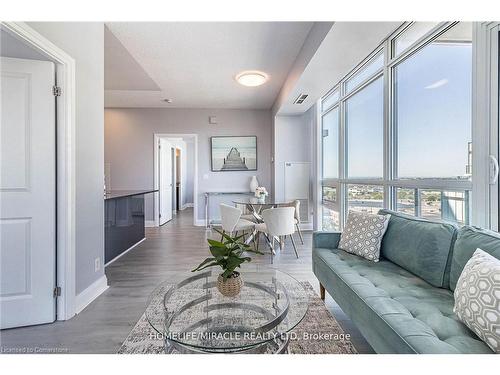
point(212, 120)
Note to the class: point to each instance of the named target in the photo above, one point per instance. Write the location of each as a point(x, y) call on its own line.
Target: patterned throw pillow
point(477, 297)
point(363, 234)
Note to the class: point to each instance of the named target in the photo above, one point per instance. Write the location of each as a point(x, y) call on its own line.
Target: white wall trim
point(484, 123)
point(156, 209)
point(66, 202)
point(150, 223)
point(199, 222)
point(91, 293)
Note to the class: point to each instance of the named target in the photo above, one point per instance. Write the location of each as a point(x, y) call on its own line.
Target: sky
point(228, 142)
point(433, 95)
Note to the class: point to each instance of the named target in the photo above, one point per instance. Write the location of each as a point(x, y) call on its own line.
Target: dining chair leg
point(294, 247)
point(271, 245)
point(222, 236)
point(300, 233)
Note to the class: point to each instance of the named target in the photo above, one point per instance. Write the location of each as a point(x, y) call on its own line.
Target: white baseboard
point(200, 222)
point(149, 223)
point(187, 205)
point(95, 289)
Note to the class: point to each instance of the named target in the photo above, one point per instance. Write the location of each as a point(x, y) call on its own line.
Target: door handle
point(494, 176)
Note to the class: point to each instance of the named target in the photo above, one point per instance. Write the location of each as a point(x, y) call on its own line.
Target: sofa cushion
point(420, 246)
point(468, 240)
point(477, 298)
point(396, 311)
point(363, 234)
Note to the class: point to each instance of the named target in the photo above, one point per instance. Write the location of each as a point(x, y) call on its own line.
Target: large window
point(433, 110)
point(330, 135)
point(365, 198)
point(365, 72)
point(365, 132)
point(396, 132)
point(330, 204)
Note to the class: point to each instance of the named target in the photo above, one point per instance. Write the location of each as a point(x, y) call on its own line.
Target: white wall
point(293, 142)
point(129, 134)
point(84, 41)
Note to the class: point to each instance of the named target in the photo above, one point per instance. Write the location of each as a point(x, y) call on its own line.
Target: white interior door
point(166, 183)
point(27, 193)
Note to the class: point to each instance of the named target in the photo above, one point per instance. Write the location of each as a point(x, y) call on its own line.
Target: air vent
point(300, 99)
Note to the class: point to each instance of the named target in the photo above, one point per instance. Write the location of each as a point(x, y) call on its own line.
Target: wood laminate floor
point(168, 253)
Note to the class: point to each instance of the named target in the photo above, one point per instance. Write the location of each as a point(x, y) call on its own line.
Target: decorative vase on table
point(254, 184)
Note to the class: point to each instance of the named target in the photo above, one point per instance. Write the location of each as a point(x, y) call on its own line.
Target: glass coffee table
point(192, 316)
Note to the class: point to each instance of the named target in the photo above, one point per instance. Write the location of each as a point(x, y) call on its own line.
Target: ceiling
point(122, 72)
point(194, 63)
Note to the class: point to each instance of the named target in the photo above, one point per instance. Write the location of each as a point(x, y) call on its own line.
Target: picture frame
point(233, 153)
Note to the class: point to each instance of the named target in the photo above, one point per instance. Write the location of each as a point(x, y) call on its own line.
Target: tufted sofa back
point(468, 240)
point(420, 246)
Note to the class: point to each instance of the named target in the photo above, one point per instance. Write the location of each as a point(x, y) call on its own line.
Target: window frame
point(390, 180)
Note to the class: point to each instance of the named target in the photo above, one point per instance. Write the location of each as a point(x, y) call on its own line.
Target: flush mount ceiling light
point(252, 78)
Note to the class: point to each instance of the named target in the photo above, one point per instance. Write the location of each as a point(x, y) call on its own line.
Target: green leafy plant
point(227, 254)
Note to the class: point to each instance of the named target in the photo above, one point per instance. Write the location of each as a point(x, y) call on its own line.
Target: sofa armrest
point(327, 240)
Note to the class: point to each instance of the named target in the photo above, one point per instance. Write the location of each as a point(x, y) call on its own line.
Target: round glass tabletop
point(254, 201)
point(192, 314)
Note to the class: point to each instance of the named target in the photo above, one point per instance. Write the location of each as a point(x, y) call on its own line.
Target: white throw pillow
point(363, 234)
point(477, 297)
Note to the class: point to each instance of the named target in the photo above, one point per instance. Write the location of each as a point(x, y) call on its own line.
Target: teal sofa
point(404, 302)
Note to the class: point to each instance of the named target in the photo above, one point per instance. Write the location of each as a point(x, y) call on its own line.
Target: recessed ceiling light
point(252, 78)
point(167, 100)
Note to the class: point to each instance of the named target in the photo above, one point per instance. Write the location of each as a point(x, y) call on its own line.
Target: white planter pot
point(230, 287)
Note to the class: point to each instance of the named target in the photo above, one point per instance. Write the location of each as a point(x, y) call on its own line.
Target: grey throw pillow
point(363, 234)
point(477, 297)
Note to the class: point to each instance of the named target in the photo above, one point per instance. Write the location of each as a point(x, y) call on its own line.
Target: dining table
point(256, 206)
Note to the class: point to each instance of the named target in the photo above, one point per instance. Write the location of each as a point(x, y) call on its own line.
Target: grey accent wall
point(129, 146)
point(84, 41)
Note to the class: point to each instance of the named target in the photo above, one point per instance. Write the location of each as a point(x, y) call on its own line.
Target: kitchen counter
point(113, 194)
point(123, 222)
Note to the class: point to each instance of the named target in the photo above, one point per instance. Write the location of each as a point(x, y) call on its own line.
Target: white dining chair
point(296, 205)
point(278, 222)
point(245, 213)
point(232, 221)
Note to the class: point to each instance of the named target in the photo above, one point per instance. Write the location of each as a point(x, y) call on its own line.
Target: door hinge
point(56, 91)
point(57, 291)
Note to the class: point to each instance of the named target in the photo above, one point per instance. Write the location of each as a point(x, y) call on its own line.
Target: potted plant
point(227, 254)
point(261, 193)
